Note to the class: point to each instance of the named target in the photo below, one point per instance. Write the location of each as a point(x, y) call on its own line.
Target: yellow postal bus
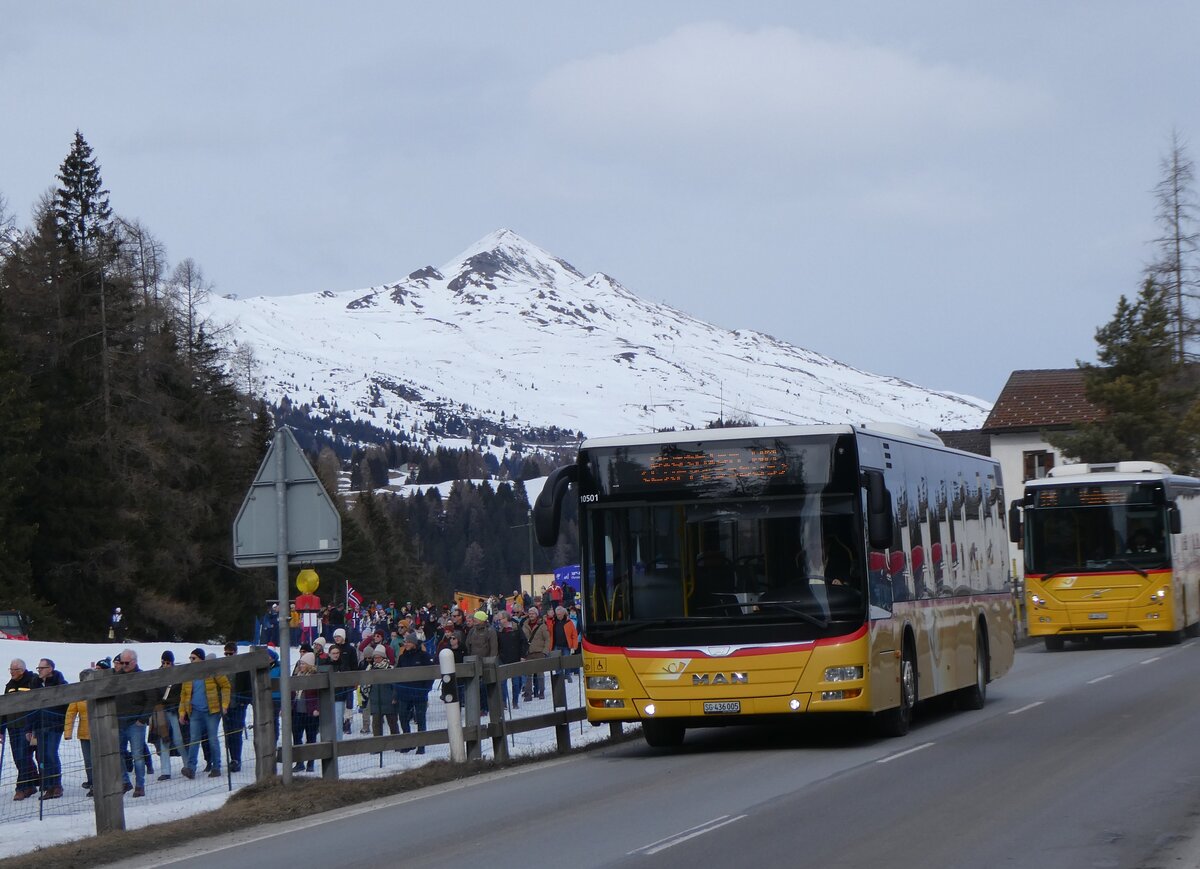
point(1110, 549)
point(733, 575)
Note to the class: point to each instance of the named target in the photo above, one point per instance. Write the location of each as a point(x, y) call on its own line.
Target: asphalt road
point(1083, 758)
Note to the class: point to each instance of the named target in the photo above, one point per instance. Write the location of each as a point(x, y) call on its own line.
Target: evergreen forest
point(127, 447)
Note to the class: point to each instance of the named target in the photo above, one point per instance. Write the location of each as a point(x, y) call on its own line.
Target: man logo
point(720, 679)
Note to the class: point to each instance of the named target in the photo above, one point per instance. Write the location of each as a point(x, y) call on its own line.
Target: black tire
point(896, 721)
point(1172, 638)
point(974, 696)
point(1055, 644)
point(662, 734)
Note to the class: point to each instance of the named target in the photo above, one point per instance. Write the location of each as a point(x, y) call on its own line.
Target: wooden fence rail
point(108, 769)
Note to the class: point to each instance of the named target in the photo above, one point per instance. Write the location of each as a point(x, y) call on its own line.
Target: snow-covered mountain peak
point(506, 337)
point(505, 257)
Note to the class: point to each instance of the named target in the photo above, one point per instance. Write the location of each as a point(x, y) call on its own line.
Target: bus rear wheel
point(662, 734)
point(896, 721)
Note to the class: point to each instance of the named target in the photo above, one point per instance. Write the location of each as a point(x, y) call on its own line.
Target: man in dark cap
point(235, 718)
point(413, 697)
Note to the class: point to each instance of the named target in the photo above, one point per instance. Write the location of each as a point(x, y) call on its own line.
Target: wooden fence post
point(329, 768)
point(491, 680)
point(473, 706)
point(108, 770)
point(264, 725)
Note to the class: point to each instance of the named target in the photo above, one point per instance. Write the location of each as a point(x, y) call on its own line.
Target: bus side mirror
point(879, 511)
point(547, 510)
point(1173, 519)
point(1015, 531)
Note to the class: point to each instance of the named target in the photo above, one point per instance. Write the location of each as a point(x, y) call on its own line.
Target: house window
point(1038, 463)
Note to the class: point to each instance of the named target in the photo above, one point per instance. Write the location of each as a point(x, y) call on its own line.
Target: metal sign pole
point(285, 628)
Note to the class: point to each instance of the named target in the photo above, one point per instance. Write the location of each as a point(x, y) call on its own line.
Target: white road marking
point(693, 832)
point(1150, 660)
point(1099, 679)
point(892, 757)
point(1026, 708)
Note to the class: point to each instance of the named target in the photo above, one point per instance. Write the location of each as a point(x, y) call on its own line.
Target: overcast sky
point(934, 190)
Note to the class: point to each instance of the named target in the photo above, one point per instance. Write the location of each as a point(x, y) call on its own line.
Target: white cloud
point(775, 91)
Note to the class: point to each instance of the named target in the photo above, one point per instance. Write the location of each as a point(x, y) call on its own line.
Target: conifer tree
point(1149, 400)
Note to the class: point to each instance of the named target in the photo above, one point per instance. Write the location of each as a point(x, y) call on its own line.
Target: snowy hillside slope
point(510, 333)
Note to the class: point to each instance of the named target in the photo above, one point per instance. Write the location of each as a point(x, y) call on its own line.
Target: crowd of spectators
point(187, 720)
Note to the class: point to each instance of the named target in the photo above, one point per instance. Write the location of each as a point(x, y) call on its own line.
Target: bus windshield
point(1104, 537)
point(737, 571)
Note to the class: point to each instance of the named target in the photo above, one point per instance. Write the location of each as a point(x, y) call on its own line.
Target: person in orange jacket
point(564, 638)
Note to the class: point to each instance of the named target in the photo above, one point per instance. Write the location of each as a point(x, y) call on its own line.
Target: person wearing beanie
point(349, 652)
point(171, 743)
point(381, 703)
point(537, 645)
point(481, 642)
point(234, 720)
point(412, 697)
point(202, 703)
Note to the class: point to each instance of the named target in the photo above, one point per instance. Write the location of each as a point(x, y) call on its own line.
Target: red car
point(14, 625)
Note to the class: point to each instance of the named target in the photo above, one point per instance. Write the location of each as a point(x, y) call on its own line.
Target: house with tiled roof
point(1034, 402)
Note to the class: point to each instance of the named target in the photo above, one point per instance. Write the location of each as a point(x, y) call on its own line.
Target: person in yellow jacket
point(202, 703)
point(78, 711)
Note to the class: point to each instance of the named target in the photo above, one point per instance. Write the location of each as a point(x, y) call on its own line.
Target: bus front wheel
point(897, 720)
point(1055, 644)
point(662, 734)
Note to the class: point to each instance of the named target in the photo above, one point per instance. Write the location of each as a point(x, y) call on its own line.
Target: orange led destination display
point(683, 468)
point(720, 469)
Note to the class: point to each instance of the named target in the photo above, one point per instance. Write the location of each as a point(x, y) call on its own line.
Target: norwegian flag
point(353, 598)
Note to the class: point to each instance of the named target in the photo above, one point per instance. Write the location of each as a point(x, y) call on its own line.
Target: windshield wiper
point(630, 627)
point(793, 607)
point(1131, 566)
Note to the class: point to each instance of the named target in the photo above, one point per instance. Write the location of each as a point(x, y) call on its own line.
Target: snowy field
point(31, 823)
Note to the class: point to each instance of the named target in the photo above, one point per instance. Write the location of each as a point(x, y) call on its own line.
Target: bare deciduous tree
point(1175, 269)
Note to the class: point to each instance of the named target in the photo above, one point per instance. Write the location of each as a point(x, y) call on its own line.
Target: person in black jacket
point(48, 731)
point(133, 714)
point(234, 722)
point(413, 697)
point(343, 695)
point(511, 646)
point(19, 733)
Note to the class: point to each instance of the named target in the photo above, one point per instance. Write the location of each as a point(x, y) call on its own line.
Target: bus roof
point(882, 429)
point(1108, 477)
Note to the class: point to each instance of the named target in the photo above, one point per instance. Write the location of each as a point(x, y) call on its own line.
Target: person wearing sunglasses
point(134, 711)
point(47, 724)
point(20, 736)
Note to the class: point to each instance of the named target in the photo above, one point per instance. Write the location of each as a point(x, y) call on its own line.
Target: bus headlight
point(1037, 601)
point(1161, 595)
point(602, 683)
point(843, 674)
